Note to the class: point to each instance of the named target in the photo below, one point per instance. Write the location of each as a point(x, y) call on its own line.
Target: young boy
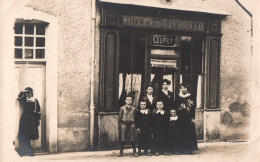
point(127, 123)
point(160, 127)
point(143, 127)
point(173, 132)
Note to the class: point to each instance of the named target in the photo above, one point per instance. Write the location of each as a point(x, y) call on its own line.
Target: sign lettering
point(164, 23)
point(163, 40)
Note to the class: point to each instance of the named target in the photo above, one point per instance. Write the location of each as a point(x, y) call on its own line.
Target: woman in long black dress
point(29, 122)
point(186, 112)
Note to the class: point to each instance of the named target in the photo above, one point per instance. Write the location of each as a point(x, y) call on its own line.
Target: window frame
point(35, 23)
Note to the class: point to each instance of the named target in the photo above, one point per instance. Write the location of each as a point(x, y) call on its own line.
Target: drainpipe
point(92, 88)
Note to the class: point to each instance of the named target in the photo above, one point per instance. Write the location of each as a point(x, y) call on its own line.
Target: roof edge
point(138, 3)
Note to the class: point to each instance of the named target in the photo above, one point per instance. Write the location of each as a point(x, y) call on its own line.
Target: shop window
point(131, 66)
point(29, 40)
point(191, 66)
point(129, 63)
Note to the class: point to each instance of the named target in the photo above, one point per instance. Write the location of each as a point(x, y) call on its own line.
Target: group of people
point(163, 125)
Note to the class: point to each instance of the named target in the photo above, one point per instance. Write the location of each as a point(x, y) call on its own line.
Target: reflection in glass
point(28, 53)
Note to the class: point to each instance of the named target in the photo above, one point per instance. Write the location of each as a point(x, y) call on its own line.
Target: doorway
point(32, 75)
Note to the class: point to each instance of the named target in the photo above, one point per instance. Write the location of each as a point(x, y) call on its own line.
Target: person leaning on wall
point(29, 122)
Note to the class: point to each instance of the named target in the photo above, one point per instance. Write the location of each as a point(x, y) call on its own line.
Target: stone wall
point(74, 68)
point(75, 61)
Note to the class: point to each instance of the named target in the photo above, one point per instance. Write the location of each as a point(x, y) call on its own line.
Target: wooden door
point(32, 75)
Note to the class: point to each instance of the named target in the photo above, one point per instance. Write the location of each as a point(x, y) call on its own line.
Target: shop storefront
point(141, 45)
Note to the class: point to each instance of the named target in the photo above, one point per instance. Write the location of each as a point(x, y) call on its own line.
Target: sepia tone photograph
point(130, 80)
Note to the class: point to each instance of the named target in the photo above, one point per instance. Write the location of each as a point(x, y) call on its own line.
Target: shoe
point(120, 154)
point(135, 154)
point(177, 153)
point(157, 154)
point(139, 153)
point(149, 154)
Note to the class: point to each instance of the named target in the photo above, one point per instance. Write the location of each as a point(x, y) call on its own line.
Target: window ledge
point(107, 113)
point(212, 109)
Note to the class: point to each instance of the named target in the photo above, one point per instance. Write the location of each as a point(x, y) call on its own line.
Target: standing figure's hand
point(138, 130)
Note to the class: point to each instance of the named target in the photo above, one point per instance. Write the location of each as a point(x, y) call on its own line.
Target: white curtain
point(152, 76)
point(199, 91)
point(132, 83)
point(120, 88)
point(180, 79)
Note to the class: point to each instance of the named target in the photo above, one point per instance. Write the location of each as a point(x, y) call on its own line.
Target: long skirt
point(188, 139)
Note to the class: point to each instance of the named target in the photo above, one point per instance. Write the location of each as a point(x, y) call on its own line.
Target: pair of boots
point(122, 148)
point(145, 152)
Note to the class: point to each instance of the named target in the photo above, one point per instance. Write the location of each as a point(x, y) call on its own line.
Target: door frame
point(19, 11)
point(22, 66)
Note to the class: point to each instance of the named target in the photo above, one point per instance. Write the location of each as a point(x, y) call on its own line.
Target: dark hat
point(166, 81)
point(149, 85)
point(29, 89)
point(184, 84)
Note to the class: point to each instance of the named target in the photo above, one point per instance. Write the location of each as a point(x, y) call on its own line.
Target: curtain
point(120, 88)
point(199, 91)
point(132, 84)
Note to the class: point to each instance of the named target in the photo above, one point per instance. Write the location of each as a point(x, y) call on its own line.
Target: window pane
point(213, 73)
point(40, 42)
point(40, 29)
point(18, 28)
point(29, 41)
point(18, 53)
point(125, 52)
point(197, 55)
point(185, 55)
point(40, 53)
point(29, 53)
point(109, 71)
point(18, 41)
point(29, 29)
point(138, 53)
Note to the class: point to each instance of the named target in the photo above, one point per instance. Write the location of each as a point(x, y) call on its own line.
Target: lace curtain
point(132, 84)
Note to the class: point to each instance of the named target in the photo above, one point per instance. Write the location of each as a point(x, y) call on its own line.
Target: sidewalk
point(213, 152)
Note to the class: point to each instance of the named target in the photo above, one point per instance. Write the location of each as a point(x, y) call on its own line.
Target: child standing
point(127, 123)
point(160, 127)
point(173, 132)
point(143, 127)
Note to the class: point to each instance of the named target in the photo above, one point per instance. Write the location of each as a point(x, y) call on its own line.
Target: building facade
point(81, 58)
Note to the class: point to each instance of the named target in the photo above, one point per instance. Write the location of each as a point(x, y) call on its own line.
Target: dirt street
point(208, 152)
